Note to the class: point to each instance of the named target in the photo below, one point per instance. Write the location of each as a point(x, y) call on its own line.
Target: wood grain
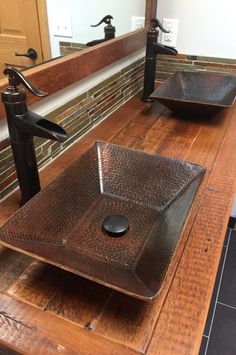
point(173, 323)
point(185, 310)
point(44, 334)
point(38, 283)
point(12, 265)
point(44, 30)
point(151, 9)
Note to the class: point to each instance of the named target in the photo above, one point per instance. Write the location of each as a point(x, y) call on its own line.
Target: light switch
point(137, 22)
point(62, 24)
point(170, 25)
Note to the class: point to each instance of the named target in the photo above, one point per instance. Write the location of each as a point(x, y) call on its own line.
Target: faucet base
point(26, 167)
point(147, 99)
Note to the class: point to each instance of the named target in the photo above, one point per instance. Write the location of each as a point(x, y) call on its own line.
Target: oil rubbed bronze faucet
point(23, 124)
point(109, 31)
point(152, 49)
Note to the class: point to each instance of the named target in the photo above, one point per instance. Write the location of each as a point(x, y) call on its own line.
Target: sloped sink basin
point(143, 198)
point(199, 94)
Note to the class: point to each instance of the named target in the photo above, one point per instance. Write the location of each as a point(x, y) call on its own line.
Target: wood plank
point(119, 319)
point(184, 313)
point(80, 301)
point(37, 332)
point(12, 265)
point(151, 9)
point(38, 283)
point(136, 129)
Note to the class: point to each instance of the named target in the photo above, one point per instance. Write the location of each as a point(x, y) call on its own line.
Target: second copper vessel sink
point(142, 198)
point(199, 94)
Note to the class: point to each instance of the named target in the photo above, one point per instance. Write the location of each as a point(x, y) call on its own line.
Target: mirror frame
point(57, 74)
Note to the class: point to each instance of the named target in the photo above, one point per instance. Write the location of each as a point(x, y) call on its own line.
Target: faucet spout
point(95, 42)
point(161, 49)
point(35, 125)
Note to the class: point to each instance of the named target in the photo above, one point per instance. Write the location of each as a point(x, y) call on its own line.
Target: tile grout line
point(218, 290)
point(229, 237)
point(219, 283)
point(226, 305)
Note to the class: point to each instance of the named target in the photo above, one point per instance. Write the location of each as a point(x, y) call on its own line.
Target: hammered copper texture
point(197, 93)
point(63, 223)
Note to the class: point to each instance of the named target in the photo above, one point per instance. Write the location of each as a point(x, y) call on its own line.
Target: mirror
point(59, 73)
point(26, 29)
point(206, 28)
point(70, 21)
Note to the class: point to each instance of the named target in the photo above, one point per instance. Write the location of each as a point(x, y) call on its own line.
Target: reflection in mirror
point(70, 21)
point(62, 72)
point(23, 33)
point(27, 27)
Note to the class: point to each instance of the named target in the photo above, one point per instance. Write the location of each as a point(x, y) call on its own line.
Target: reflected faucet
point(152, 49)
point(109, 31)
point(23, 124)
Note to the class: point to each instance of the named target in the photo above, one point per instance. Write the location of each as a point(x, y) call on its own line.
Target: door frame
point(44, 29)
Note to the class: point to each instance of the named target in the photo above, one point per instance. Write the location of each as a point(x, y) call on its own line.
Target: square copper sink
point(200, 94)
point(64, 223)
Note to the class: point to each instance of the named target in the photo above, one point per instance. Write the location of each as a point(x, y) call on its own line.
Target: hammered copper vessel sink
point(199, 94)
point(114, 216)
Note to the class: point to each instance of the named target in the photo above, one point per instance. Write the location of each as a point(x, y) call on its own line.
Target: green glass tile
point(111, 87)
point(42, 160)
point(132, 66)
point(55, 146)
point(6, 152)
point(209, 65)
point(217, 60)
point(103, 84)
point(65, 44)
point(78, 44)
point(6, 163)
point(79, 124)
point(9, 171)
point(8, 189)
point(67, 106)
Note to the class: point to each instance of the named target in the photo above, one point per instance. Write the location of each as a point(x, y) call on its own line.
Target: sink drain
point(115, 225)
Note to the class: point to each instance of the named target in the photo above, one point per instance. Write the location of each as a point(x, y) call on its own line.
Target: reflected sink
point(199, 94)
point(64, 224)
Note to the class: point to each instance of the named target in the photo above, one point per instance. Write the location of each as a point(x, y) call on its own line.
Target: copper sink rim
point(195, 101)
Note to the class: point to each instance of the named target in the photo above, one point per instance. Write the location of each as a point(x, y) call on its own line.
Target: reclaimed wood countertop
point(45, 310)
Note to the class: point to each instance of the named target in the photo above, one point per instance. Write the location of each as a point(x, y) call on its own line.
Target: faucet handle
point(107, 20)
point(155, 23)
point(16, 78)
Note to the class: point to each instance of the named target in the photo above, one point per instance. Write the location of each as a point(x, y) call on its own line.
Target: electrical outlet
point(171, 25)
point(137, 22)
point(62, 24)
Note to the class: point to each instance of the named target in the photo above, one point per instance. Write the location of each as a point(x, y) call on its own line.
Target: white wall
point(89, 12)
point(206, 27)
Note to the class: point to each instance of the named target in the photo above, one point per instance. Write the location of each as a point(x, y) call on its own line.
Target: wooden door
point(23, 25)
